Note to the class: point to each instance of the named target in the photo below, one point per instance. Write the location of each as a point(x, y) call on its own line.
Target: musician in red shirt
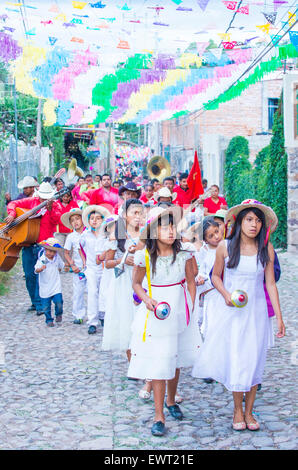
point(184, 196)
point(106, 196)
point(215, 202)
point(50, 217)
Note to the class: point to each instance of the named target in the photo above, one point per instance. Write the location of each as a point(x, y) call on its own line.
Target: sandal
point(253, 426)
point(144, 394)
point(239, 426)
point(178, 399)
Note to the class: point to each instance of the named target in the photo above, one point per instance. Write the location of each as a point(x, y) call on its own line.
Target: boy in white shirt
point(73, 220)
point(48, 266)
point(92, 243)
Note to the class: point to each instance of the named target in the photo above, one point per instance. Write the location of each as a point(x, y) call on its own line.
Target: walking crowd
point(161, 273)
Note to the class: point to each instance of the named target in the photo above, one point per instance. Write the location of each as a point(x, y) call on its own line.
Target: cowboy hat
point(164, 192)
point(45, 191)
point(271, 219)
point(156, 213)
point(52, 244)
point(130, 187)
point(65, 218)
point(27, 182)
point(94, 208)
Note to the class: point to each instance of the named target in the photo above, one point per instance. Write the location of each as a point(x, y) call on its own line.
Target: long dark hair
point(151, 244)
point(235, 238)
point(207, 223)
point(120, 227)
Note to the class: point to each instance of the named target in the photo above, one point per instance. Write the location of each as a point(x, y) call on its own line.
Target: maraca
point(162, 310)
point(239, 298)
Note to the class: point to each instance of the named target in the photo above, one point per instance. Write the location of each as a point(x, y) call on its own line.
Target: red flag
point(194, 179)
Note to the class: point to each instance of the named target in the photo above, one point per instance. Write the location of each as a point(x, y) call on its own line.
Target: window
point(272, 107)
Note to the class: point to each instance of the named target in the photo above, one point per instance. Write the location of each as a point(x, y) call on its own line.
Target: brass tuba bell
point(158, 167)
point(74, 170)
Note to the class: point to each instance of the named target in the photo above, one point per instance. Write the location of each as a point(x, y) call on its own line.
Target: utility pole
point(16, 159)
point(38, 123)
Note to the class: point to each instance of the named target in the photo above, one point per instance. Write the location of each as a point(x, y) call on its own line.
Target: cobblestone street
point(59, 391)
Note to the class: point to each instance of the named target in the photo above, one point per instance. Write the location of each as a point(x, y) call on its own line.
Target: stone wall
point(292, 200)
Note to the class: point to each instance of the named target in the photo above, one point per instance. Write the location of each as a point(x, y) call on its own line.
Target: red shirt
point(183, 198)
point(213, 207)
point(48, 221)
point(108, 199)
point(72, 205)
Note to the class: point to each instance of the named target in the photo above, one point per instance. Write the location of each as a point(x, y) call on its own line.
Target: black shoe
point(78, 321)
point(208, 380)
point(174, 411)
point(31, 309)
point(39, 313)
point(92, 330)
point(102, 322)
point(158, 429)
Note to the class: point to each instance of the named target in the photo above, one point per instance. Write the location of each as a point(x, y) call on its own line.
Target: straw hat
point(45, 191)
point(27, 182)
point(65, 218)
point(220, 214)
point(270, 216)
point(164, 192)
point(94, 208)
point(156, 213)
point(52, 243)
point(111, 219)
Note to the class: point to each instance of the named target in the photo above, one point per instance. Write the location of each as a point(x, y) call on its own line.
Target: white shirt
point(49, 279)
point(92, 246)
point(72, 243)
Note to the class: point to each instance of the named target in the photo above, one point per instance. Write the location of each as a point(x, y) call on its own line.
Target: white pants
point(93, 284)
point(78, 301)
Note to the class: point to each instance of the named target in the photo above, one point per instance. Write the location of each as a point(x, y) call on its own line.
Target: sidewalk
point(59, 391)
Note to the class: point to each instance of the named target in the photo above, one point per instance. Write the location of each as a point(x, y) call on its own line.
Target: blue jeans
point(47, 303)
point(29, 259)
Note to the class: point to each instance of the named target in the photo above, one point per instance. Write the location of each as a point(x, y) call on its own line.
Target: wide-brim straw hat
point(94, 208)
point(65, 218)
point(164, 192)
point(220, 214)
point(27, 182)
point(45, 191)
point(111, 219)
point(52, 244)
point(156, 213)
point(271, 219)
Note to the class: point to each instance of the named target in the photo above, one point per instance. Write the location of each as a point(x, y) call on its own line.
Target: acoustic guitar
point(22, 231)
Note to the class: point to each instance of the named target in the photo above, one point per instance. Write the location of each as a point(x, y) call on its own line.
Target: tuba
point(74, 170)
point(158, 167)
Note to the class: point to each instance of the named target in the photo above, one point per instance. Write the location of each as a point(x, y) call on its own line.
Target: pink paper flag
point(230, 5)
point(244, 10)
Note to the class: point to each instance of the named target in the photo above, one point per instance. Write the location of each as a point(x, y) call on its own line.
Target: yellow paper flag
point(292, 18)
point(79, 5)
point(264, 27)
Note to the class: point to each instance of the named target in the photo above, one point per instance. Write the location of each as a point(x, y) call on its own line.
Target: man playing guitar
point(49, 218)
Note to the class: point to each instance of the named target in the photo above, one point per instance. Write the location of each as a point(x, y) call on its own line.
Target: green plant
point(237, 169)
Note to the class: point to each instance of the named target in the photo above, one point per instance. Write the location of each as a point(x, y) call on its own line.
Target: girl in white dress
point(235, 347)
point(212, 236)
point(119, 308)
point(159, 348)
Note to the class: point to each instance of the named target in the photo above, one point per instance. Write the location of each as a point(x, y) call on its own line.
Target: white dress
point(235, 346)
point(205, 259)
point(105, 282)
point(169, 344)
point(119, 306)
